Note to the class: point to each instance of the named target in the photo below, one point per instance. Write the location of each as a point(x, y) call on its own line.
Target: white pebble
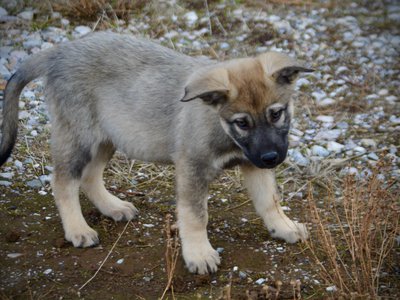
point(325, 119)
point(335, 147)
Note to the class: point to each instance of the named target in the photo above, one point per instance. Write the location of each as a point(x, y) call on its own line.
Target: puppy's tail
point(30, 69)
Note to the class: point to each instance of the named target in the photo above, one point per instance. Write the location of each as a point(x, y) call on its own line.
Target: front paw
point(82, 236)
point(289, 231)
point(200, 258)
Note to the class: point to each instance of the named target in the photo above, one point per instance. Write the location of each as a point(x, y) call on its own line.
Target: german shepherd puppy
point(109, 92)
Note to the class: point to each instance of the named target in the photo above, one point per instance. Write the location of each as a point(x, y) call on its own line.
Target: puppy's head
point(253, 97)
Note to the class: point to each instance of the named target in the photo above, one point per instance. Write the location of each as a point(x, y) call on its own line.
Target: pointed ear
point(288, 74)
point(281, 68)
point(212, 86)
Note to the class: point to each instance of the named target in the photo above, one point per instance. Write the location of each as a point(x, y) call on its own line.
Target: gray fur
point(109, 91)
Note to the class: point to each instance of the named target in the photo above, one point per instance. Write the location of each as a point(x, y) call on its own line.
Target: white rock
point(302, 82)
point(23, 114)
point(47, 272)
point(328, 135)
point(120, 261)
point(224, 46)
point(3, 12)
point(348, 36)
point(7, 175)
point(341, 69)
point(373, 156)
point(383, 92)
point(326, 102)
point(82, 30)
point(332, 288)
point(335, 147)
point(391, 98)
point(5, 183)
point(64, 22)
point(191, 18)
point(4, 72)
point(148, 225)
point(368, 143)
point(394, 120)
point(260, 281)
point(360, 150)
point(319, 151)
point(26, 15)
point(318, 95)
point(32, 43)
point(14, 255)
point(298, 158)
point(325, 119)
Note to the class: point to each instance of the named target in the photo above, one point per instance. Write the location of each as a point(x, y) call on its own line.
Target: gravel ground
point(348, 111)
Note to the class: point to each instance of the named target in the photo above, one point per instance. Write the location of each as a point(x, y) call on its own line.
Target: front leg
point(192, 191)
point(262, 188)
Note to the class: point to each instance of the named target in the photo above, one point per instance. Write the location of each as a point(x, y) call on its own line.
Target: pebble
point(359, 150)
point(3, 12)
point(7, 175)
point(319, 151)
point(325, 119)
point(332, 288)
point(14, 255)
point(35, 183)
point(191, 18)
point(335, 147)
point(4, 72)
point(368, 143)
point(373, 156)
point(120, 261)
point(328, 135)
point(82, 30)
point(47, 271)
point(326, 102)
point(298, 158)
point(260, 281)
point(26, 15)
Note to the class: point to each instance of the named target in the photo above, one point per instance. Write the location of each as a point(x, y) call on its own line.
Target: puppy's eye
point(276, 115)
point(242, 124)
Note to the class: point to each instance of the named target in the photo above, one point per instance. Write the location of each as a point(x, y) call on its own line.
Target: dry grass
point(354, 237)
point(93, 9)
point(171, 253)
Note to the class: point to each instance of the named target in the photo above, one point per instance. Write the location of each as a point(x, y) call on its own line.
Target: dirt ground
point(48, 267)
point(37, 263)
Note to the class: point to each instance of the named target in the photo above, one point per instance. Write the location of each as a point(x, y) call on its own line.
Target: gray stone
point(82, 30)
point(26, 15)
point(298, 158)
point(328, 135)
point(32, 43)
point(7, 175)
point(35, 183)
point(3, 12)
point(319, 151)
point(4, 72)
point(5, 183)
point(335, 147)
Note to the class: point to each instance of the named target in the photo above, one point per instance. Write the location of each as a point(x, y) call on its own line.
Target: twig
point(208, 16)
point(108, 255)
point(237, 206)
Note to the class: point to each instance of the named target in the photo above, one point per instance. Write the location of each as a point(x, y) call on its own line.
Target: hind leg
point(66, 194)
point(69, 158)
point(93, 186)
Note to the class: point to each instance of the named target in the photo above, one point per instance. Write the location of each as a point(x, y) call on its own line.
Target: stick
point(108, 255)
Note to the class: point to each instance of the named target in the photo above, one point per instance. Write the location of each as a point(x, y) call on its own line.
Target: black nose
point(269, 158)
